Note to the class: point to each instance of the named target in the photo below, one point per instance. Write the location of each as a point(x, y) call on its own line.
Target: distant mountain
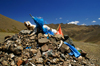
point(80, 33)
point(76, 32)
point(10, 25)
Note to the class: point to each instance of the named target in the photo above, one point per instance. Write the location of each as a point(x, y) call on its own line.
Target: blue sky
point(53, 11)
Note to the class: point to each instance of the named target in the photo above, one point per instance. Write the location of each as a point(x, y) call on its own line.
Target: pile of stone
point(29, 49)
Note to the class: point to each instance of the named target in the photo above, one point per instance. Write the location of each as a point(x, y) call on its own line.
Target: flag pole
point(58, 27)
point(30, 15)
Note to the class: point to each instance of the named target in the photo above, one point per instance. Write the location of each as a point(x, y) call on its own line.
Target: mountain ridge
point(76, 32)
point(10, 25)
point(81, 33)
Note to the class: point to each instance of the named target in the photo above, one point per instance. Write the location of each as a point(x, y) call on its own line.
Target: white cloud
point(86, 18)
point(74, 22)
point(83, 24)
point(98, 18)
point(60, 18)
point(93, 21)
point(39, 17)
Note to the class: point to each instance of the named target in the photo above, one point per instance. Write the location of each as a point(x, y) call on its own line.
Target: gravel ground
point(93, 50)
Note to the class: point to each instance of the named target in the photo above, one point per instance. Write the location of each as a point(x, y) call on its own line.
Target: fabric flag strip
point(59, 30)
point(46, 31)
point(74, 50)
point(39, 24)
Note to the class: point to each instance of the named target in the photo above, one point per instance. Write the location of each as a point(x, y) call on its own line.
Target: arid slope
point(10, 25)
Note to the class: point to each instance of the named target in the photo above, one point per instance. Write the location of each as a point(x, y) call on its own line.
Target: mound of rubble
point(27, 49)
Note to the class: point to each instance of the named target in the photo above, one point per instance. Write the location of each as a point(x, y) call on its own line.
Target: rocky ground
point(93, 50)
point(27, 49)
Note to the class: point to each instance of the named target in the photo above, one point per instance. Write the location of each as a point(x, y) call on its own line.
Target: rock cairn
point(29, 49)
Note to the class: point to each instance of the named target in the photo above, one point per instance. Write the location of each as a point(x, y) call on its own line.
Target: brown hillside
point(81, 33)
point(10, 25)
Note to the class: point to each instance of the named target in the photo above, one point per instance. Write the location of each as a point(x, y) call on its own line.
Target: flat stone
point(33, 51)
point(27, 54)
point(55, 60)
point(69, 40)
point(32, 37)
point(39, 65)
point(40, 35)
point(44, 47)
point(80, 57)
point(43, 40)
point(14, 37)
point(64, 48)
point(38, 55)
point(11, 55)
point(25, 32)
point(4, 63)
point(39, 61)
point(18, 41)
point(66, 63)
point(56, 54)
point(12, 63)
point(58, 36)
point(62, 60)
point(18, 50)
point(50, 46)
point(53, 40)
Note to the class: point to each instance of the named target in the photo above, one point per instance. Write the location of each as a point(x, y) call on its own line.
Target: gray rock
point(18, 50)
point(14, 37)
point(44, 47)
point(18, 41)
point(33, 51)
point(4, 63)
point(43, 41)
point(39, 65)
point(25, 32)
point(54, 52)
point(69, 40)
point(12, 63)
point(39, 60)
point(40, 35)
point(11, 55)
point(66, 63)
point(53, 40)
point(32, 37)
point(38, 55)
point(64, 48)
point(50, 46)
point(59, 37)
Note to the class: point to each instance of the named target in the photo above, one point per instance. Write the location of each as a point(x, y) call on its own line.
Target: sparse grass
point(3, 34)
point(92, 49)
point(10, 25)
point(80, 33)
point(2, 30)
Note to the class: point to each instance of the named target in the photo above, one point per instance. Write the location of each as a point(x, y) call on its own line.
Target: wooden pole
point(30, 15)
point(58, 27)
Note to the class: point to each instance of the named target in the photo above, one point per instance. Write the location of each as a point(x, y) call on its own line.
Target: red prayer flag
point(59, 30)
